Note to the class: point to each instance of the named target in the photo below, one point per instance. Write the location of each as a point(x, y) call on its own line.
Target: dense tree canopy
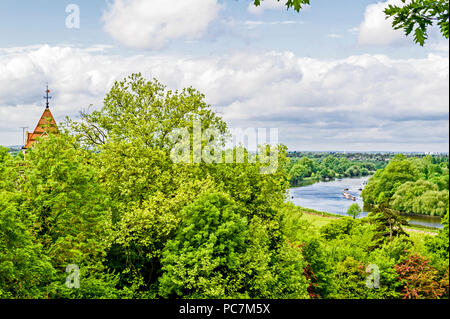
point(411, 185)
point(104, 197)
point(137, 109)
point(305, 169)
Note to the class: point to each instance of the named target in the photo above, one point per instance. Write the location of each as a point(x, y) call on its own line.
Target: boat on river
point(349, 196)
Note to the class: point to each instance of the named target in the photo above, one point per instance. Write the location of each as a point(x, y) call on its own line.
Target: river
point(327, 197)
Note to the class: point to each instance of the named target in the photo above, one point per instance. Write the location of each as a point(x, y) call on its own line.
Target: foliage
point(137, 109)
point(337, 228)
point(410, 185)
point(62, 194)
point(25, 271)
point(298, 172)
point(418, 15)
point(204, 258)
point(318, 269)
point(388, 225)
point(309, 168)
point(208, 258)
point(414, 16)
point(295, 4)
point(106, 197)
point(420, 278)
point(350, 278)
point(399, 170)
point(354, 210)
point(438, 245)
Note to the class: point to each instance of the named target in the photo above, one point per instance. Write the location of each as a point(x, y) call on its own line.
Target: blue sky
point(323, 31)
point(334, 76)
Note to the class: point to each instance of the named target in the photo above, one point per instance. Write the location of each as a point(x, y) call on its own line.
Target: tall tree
point(388, 222)
point(354, 210)
point(137, 109)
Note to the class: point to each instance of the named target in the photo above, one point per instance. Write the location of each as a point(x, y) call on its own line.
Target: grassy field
point(316, 220)
point(319, 219)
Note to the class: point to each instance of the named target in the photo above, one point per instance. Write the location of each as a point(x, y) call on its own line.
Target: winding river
point(328, 197)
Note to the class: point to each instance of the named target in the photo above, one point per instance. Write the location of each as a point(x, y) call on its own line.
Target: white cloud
point(153, 23)
point(271, 5)
point(376, 29)
point(360, 102)
point(265, 5)
point(257, 23)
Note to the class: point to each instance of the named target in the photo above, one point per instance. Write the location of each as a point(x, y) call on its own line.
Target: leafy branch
point(414, 16)
point(418, 15)
point(295, 4)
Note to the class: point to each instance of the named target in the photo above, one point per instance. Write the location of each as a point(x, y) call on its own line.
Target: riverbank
point(328, 197)
point(319, 219)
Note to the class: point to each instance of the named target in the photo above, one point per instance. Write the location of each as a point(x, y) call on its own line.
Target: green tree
point(337, 228)
point(350, 277)
point(388, 224)
point(66, 203)
point(5, 164)
point(318, 269)
point(214, 254)
point(25, 270)
point(137, 109)
point(352, 171)
point(438, 246)
point(298, 173)
point(146, 191)
point(310, 164)
point(399, 171)
point(205, 257)
point(354, 210)
point(420, 197)
point(66, 199)
point(406, 194)
point(326, 173)
point(4, 154)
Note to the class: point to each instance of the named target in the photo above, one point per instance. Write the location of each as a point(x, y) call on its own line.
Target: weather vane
point(47, 97)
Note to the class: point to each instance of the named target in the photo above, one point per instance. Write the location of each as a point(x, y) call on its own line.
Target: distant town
point(357, 155)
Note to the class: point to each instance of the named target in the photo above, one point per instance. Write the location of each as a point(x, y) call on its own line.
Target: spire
point(47, 97)
point(45, 125)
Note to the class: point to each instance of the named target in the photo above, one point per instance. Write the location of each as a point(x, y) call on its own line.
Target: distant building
point(46, 125)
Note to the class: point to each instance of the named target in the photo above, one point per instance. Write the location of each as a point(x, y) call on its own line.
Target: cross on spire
point(47, 97)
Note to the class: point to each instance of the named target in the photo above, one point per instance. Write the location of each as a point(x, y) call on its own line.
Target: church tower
point(46, 125)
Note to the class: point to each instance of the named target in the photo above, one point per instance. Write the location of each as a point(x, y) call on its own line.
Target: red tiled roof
point(45, 125)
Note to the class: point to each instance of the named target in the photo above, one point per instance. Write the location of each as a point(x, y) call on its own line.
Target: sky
point(335, 76)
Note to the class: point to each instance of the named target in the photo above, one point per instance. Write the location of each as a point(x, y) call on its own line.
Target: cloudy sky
point(333, 77)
